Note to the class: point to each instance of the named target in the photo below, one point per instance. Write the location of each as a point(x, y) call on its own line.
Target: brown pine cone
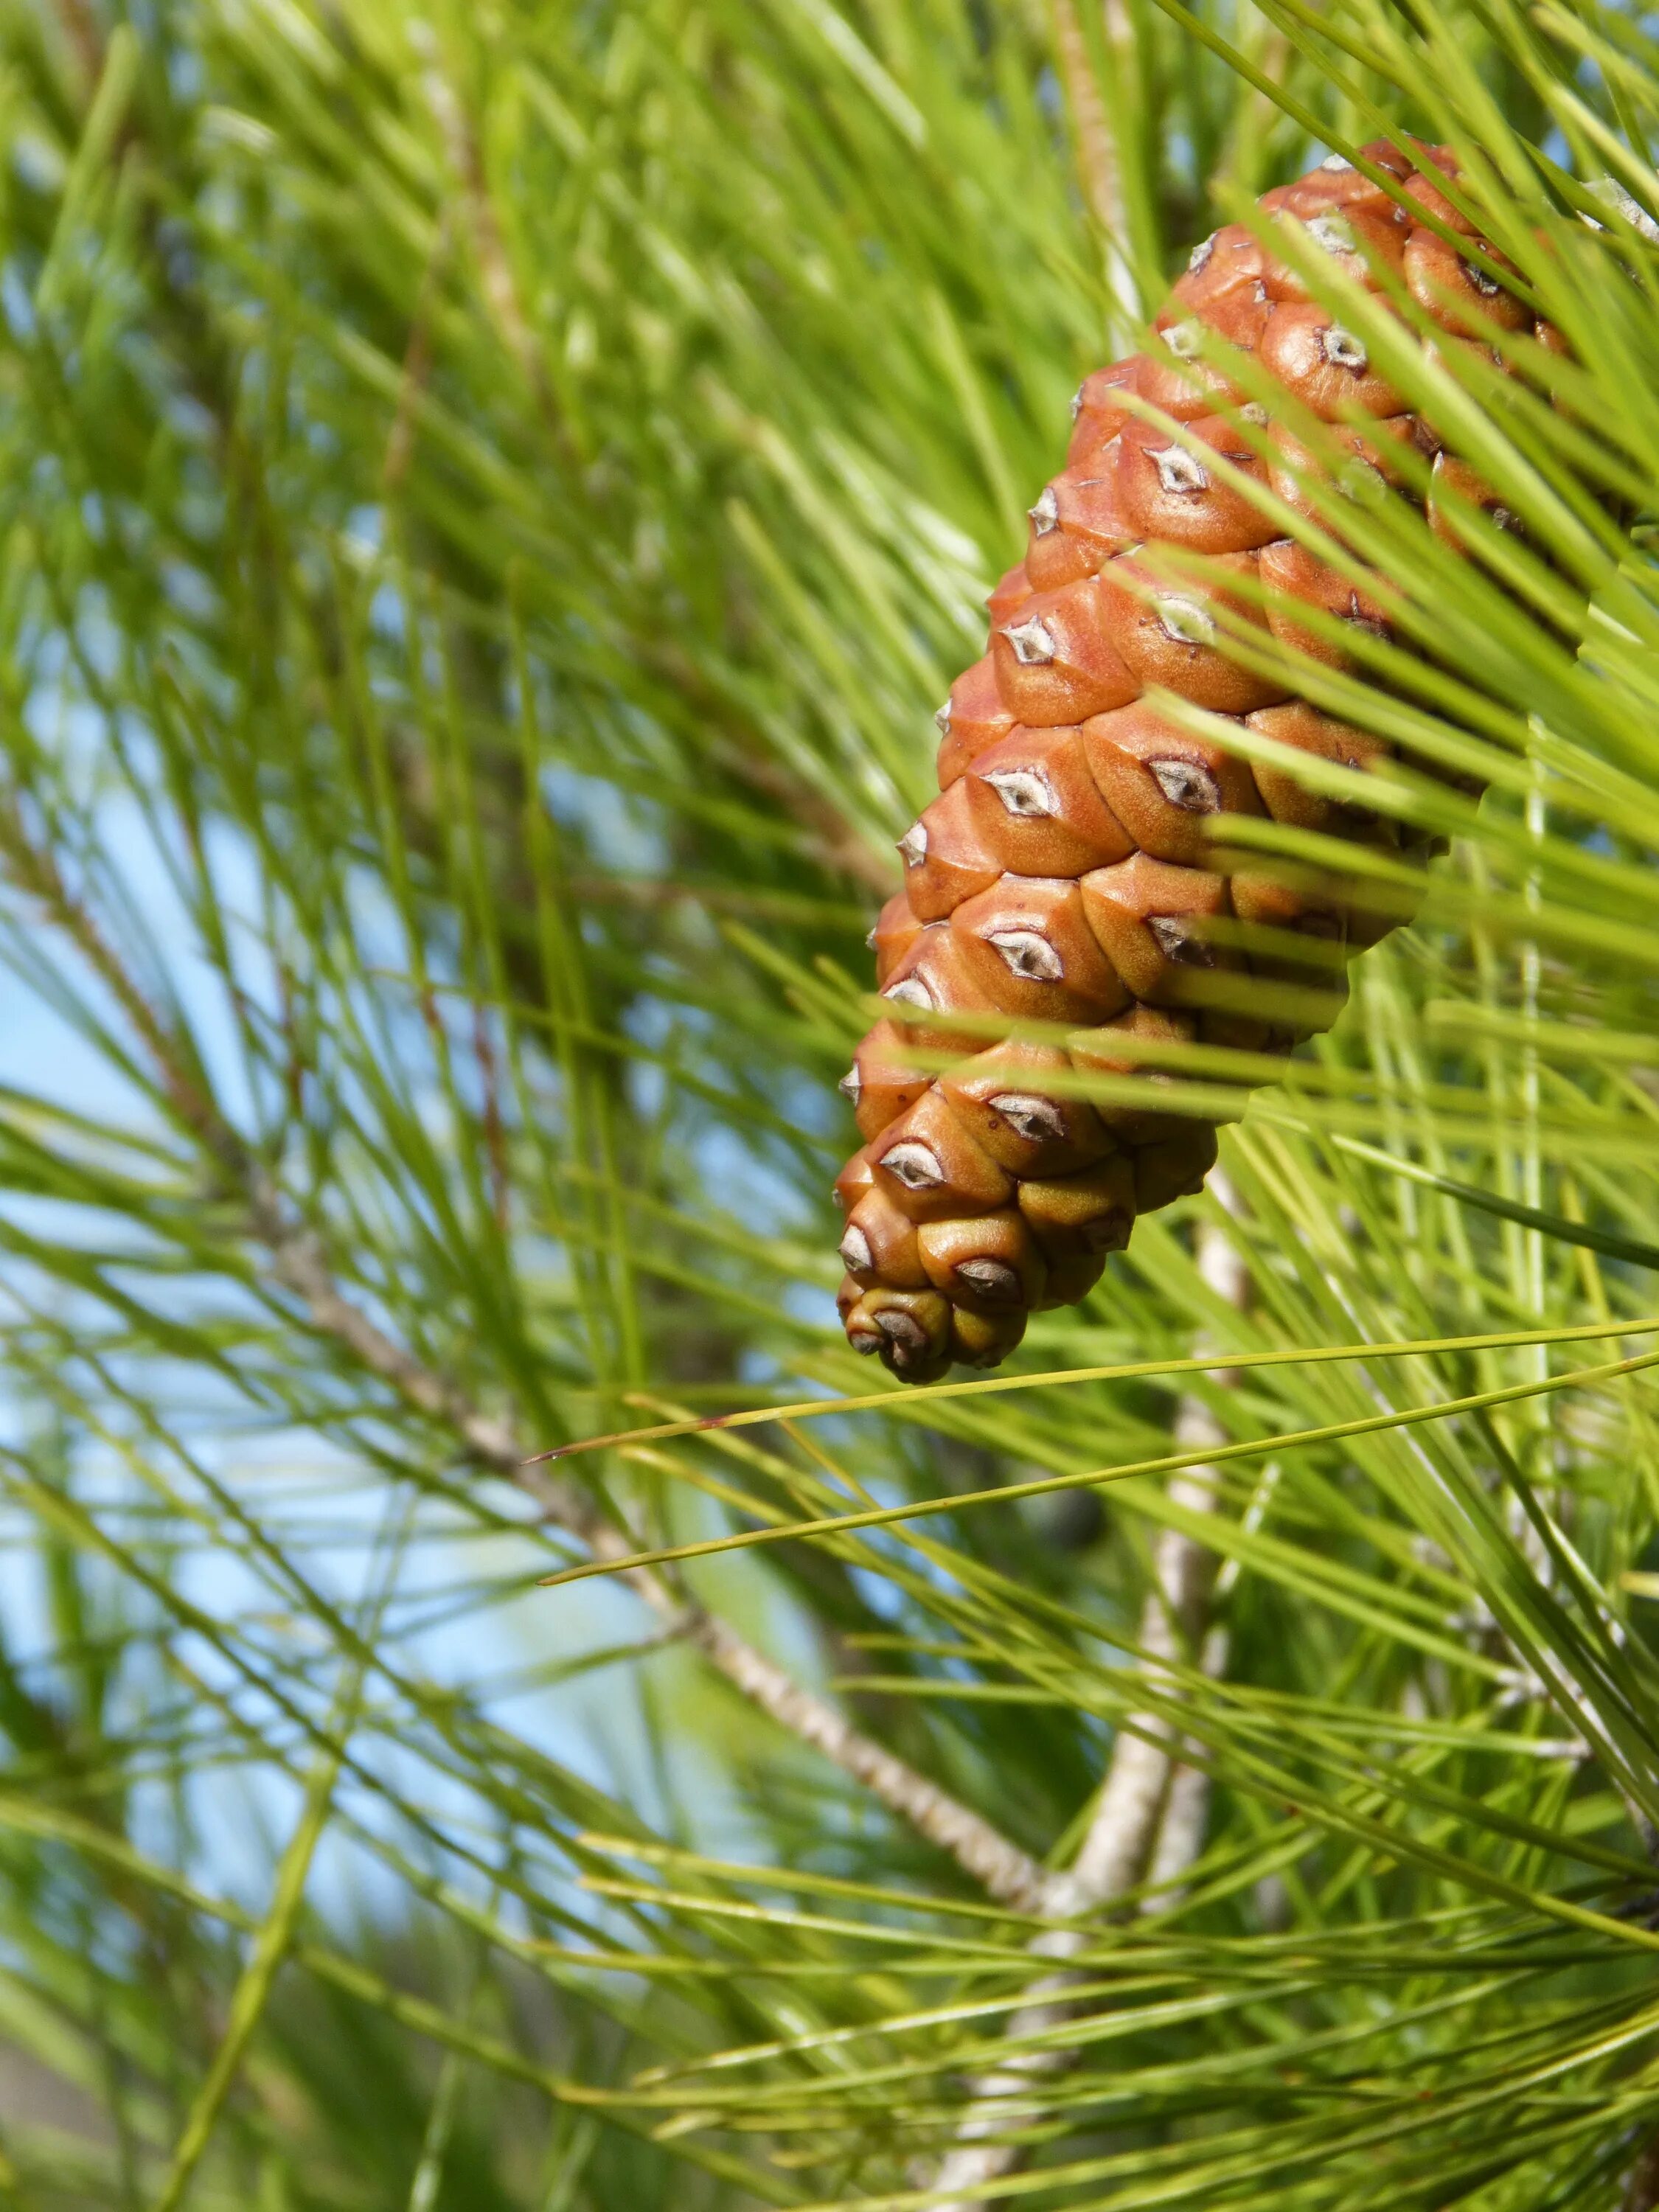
point(1070, 870)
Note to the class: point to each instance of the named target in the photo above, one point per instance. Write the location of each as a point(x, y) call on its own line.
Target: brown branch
point(1006, 1872)
point(299, 1264)
point(1097, 148)
point(1642, 2183)
point(1099, 160)
point(501, 289)
point(86, 41)
point(1149, 1823)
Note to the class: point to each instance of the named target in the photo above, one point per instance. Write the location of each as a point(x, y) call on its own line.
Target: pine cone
point(1071, 870)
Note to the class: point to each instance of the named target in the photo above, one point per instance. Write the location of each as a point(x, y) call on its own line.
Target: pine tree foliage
point(489, 500)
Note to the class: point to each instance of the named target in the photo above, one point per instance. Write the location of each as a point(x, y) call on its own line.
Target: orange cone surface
point(1073, 870)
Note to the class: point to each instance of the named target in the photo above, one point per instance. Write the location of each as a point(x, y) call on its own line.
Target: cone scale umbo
point(1073, 870)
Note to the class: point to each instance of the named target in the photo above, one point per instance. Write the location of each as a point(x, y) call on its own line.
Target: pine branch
point(299, 1264)
point(574, 409)
point(1007, 1873)
point(1150, 1821)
